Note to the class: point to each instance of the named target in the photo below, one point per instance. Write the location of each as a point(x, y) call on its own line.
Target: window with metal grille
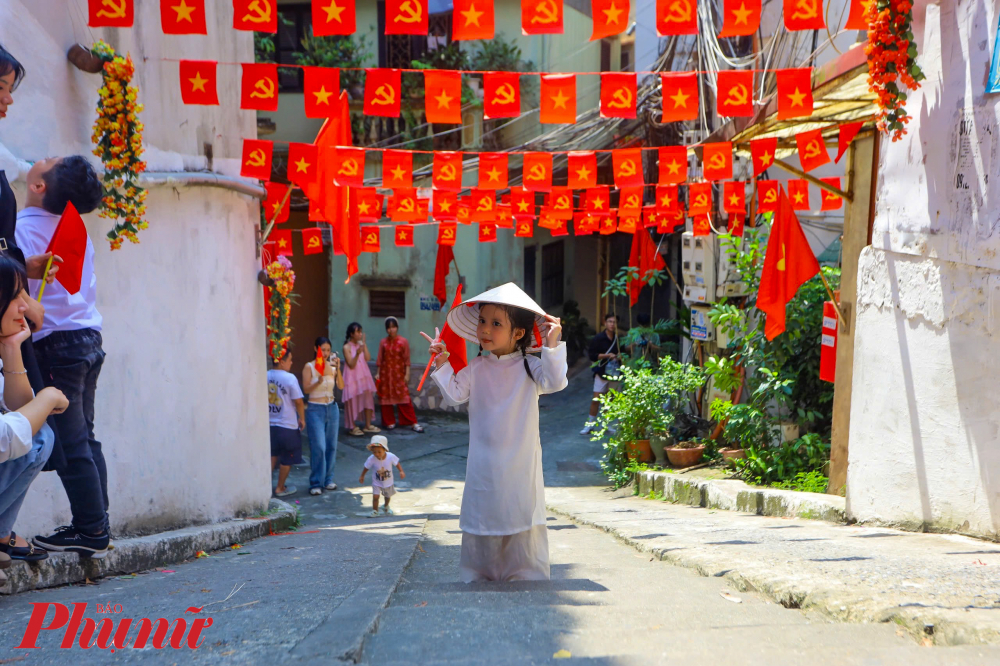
point(552, 274)
point(386, 303)
point(530, 252)
point(399, 51)
point(295, 24)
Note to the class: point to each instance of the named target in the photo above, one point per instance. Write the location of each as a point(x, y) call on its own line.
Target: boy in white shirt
point(285, 403)
point(68, 346)
point(381, 462)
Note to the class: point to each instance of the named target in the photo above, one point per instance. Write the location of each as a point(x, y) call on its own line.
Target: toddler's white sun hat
point(465, 318)
point(378, 440)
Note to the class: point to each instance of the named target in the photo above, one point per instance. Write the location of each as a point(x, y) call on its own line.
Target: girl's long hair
point(518, 318)
point(351, 328)
point(12, 280)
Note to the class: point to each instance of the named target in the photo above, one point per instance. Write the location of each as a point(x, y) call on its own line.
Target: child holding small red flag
point(68, 343)
point(503, 507)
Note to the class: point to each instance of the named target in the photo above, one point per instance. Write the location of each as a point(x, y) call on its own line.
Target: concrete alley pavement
point(385, 591)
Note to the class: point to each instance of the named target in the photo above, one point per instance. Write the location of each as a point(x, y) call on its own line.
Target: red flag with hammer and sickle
point(312, 243)
point(735, 93)
point(831, 201)
point(501, 95)
point(111, 13)
point(804, 15)
point(717, 161)
point(767, 196)
point(255, 15)
point(812, 149)
point(676, 17)
point(537, 171)
point(542, 17)
point(383, 89)
point(256, 160)
point(349, 166)
point(627, 164)
point(699, 199)
point(618, 95)
point(259, 89)
point(789, 263)
point(406, 17)
point(447, 171)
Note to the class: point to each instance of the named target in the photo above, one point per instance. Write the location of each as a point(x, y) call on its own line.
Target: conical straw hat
point(465, 318)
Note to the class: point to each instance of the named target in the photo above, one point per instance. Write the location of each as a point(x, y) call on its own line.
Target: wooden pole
point(829, 291)
point(270, 225)
point(847, 196)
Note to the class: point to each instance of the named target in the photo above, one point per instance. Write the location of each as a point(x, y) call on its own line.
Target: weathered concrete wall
point(174, 414)
point(926, 408)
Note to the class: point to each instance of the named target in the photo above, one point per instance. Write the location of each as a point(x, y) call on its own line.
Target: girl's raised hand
point(552, 330)
point(436, 346)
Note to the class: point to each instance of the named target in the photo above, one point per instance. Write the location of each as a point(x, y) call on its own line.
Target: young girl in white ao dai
point(503, 505)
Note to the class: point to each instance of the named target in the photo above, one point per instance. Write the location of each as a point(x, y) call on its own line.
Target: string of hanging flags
point(471, 19)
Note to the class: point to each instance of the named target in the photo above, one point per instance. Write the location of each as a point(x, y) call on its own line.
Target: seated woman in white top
point(22, 453)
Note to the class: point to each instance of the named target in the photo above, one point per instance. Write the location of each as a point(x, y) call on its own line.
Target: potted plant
point(685, 454)
point(640, 407)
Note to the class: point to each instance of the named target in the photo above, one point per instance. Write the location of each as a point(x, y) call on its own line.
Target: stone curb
point(829, 597)
point(148, 552)
point(732, 495)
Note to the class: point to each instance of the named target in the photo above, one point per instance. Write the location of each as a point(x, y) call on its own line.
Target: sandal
point(357, 432)
point(372, 430)
point(417, 428)
point(392, 427)
point(27, 553)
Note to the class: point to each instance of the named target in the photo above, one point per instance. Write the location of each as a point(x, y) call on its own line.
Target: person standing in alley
point(604, 353)
point(359, 387)
point(503, 505)
point(393, 378)
point(381, 462)
point(288, 418)
point(319, 378)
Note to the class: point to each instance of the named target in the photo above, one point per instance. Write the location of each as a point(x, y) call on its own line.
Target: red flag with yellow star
point(558, 95)
point(370, 239)
point(369, 203)
point(383, 89)
point(406, 17)
point(542, 17)
point(312, 243)
point(302, 159)
point(447, 171)
point(831, 201)
point(333, 17)
point(537, 171)
point(618, 95)
point(493, 171)
point(276, 205)
point(734, 196)
point(522, 203)
point(673, 165)
point(680, 96)
point(582, 170)
point(676, 17)
point(795, 98)
point(610, 17)
point(259, 89)
point(443, 96)
point(397, 169)
point(183, 17)
point(699, 198)
point(198, 82)
point(501, 95)
point(846, 135)
point(735, 94)
point(598, 200)
point(445, 205)
point(282, 239)
point(487, 232)
point(767, 196)
point(404, 235)
point(472, 19)
point(812, 149)
point(256, 160)
point(762, 153)
point(798, 193)
point(740, 18)
point(717, 161)
point(320, 91)
point(789, 263)
point(858, 18)
point(560, 229)
point(804, 15)
point(349, 166)
point(627, 164)
point(666, 198)
point(111, 13)
point(255, 15)
point(737, 221)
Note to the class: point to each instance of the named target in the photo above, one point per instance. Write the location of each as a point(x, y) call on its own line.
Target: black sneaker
point(69, 539)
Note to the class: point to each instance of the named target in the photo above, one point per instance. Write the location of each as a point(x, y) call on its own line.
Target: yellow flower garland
point(278, 329)
point(118, 135)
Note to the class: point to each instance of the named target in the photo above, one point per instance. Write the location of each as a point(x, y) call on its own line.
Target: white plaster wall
point(925, 418)
point(181, 402)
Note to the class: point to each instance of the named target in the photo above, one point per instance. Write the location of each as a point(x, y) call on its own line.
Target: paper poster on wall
point(993, 85)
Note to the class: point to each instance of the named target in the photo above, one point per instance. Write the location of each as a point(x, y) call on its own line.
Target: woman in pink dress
point(393, 378)
point(359, 387)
